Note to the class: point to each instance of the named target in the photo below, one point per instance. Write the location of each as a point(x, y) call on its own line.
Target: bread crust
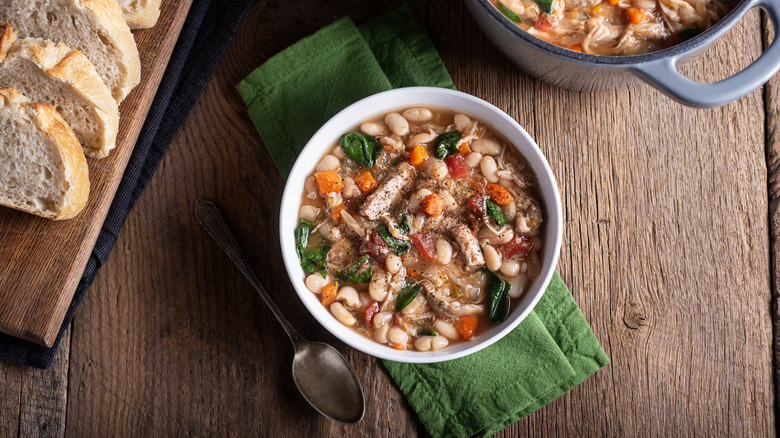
point(142, 16)
point(55, 128)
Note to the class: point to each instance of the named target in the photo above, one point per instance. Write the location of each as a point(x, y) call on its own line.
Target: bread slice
point(140, 14)
point(44, 71)
point(94, 27)
point(42, 168)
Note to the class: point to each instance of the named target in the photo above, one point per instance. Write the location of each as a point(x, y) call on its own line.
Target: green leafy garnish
point(312, 259)
point(509, 14)
point(495, 212)
point(427, 333)
point(498, 293)
point(404, 227)
point(447, 144)
point(358, 272)
point(406, 296)
point(398, 246)
point(545, 5)
point(364, 149)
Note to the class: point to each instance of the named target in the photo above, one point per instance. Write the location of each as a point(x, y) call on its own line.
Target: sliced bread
point(42, 168)
point(94, 27)
point(48, 72)
point(140, 14)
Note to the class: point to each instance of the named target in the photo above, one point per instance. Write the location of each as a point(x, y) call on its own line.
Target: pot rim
point(691, 45)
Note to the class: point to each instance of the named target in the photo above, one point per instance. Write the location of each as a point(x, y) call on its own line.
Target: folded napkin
point(200, 46)
point(291, 95)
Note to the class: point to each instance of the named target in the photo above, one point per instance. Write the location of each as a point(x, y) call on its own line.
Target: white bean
point(446, 329)
point(397, 335)
point(310, 185)
point(448, 200)
point(397, 123)
point(414, 306)
point(534, 265)
point(418, 222)
point(473, 159)
point(380, 334)
point(382, 318)
point(486, 146)
point(342, 314)
point(423, 343)
point(492, 258)
point(510, 268)
point(309, 212)
point(505, 236)
point(489, 169)
point(338, 152)
point(348, 295)
point(374, 128)
point(439, 342)
point(461, 122)
point(350, 189)
point(443, 251)
point(328, 163)
point(393, 263)
point(365, 300)
point(330, 232)
point(378, 286)
point(510, 211)
point(518, 285)
point(425, 137)
point(418, 114)
point(417, 198)
point(436, 168)
point(315, 283)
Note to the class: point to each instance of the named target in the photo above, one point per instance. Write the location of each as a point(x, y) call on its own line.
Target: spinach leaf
point(311, 259)
point(362, 148)
point(427, 333)
point(447, 144)
point(398, 246)
point(358, 272)
point(509, 14)
point(404, 226)
point(406, 296)
point(545, 5)
point(495, 212)
point(498, 293)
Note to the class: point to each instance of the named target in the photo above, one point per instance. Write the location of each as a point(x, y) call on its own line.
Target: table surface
point(670, 240)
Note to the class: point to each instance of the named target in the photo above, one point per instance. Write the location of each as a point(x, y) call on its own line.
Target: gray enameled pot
point(581, 71)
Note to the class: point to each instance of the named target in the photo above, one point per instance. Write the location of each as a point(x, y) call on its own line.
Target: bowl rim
point(379, 104)
point(691, 45)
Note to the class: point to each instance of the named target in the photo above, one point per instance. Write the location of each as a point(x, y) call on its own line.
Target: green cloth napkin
point(291, 95)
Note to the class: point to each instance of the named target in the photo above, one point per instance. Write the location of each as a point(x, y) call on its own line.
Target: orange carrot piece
point(498, 194)
point(418, 155)
point(613, 2)
point(399, 346)
point(636, 16)
point(328, 182)
point(466, 326)
point(433, 205)
point(576, 48)
point(335, 212)
point(464, 148)
point(329, 294)
point(365, 181)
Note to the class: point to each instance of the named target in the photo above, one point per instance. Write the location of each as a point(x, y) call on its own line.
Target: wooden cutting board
point(41, 261)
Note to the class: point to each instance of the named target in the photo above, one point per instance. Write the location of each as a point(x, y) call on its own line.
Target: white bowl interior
point(348, 119)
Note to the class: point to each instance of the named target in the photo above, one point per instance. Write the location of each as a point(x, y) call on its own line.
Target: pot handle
point(662, 74)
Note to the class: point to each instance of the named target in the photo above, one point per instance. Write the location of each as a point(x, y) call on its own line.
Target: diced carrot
point(365, 181)
point(414, 273)
point(498, 194)
point(433, 205)
point(399, 346)
point(418, 155)
point(464, 148)
point(576, 48)
point(335, 212)
point(328, 182)
point(636, 16)
point(614, 2)
point(597, 11)
point(329, 294)
point(545, 23)
point(466, 326)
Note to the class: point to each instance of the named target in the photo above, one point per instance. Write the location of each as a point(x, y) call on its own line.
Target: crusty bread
point(140, 14)
point(94, 27)
point(44, 71)
point(42, 168)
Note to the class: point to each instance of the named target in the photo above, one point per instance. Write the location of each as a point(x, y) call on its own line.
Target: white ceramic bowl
point(327, 137)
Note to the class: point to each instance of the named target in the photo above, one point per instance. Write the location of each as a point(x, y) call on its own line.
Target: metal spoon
point(322, 375)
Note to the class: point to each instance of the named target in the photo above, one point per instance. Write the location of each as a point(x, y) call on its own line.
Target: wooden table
point(671, 230)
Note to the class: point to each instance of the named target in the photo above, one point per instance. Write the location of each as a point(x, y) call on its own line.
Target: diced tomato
point(476, 205)
point(520, 245)
point(424, 243)
point(370, 312)
point(544, 23)
point(457, 166)
point(375, 247)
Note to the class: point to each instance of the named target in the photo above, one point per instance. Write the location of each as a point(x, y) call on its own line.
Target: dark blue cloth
point(201, 44)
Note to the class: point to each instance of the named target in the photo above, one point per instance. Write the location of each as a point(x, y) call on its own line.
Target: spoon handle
point(211, 219)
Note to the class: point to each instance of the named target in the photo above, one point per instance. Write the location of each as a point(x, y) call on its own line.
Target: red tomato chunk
point(371, 311)
point(520, 245)
point(425, 245)
point(375, 247)
point(457, 166)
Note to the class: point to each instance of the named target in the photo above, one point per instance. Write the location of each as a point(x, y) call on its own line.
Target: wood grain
point(41, 262)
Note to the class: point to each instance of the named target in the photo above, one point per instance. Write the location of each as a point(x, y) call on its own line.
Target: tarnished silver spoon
point(322, 375)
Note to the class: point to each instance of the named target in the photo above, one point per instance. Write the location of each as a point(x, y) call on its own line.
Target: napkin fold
point(291, 95)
